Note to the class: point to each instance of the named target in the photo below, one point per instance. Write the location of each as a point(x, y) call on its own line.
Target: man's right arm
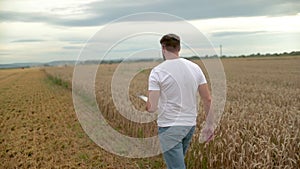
point(152, 102)
point(208, 130)
point(205, 96)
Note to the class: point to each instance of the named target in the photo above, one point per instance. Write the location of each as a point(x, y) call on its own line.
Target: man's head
point(171, 43)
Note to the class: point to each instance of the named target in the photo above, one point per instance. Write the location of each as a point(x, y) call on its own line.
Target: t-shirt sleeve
point(153, 81)
point(200, 78)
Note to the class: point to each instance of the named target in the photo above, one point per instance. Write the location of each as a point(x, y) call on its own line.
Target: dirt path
point(39, 128)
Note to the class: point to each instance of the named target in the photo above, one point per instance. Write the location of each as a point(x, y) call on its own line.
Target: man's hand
point(148, 106)
point(152, 102)
point(207, 134)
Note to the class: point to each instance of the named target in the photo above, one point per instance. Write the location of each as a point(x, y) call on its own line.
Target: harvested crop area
point(39, 128)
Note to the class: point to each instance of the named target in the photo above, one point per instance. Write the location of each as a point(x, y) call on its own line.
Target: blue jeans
point(174, 142)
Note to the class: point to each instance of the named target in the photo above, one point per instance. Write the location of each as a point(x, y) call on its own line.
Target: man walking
point(173, 88)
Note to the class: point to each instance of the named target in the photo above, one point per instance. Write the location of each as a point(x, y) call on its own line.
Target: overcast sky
point(47, 30)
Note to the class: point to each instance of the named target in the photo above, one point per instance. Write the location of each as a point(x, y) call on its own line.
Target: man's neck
point(170, 56)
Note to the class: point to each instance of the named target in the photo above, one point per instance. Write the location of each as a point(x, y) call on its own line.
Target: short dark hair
point(171, 42)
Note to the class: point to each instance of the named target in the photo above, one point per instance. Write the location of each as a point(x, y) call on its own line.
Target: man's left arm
point(152, 103)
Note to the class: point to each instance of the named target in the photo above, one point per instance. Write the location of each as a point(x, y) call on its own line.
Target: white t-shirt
point(178, 81)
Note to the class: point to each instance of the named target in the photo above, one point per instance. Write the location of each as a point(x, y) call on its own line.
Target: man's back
point(178, 81)
point(173, 86)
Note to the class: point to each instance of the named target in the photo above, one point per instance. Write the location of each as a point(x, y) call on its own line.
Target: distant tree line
point(294, 53)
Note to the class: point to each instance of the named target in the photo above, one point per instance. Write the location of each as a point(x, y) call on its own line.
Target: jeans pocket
point(172, 136)
point(162, 129)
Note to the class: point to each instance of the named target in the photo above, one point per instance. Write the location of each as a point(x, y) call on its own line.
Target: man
point(173, 88)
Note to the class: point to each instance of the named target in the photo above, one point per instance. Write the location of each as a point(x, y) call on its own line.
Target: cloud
point(237, 33)
point(11, 16)
point(197, 9)
point(72, 47)
point(27, 40)
point(74, 40)
point(4, 54)
point(102, 12)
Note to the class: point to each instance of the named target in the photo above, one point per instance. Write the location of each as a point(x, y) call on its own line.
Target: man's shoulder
point(156, 69)
point(159, 66)
point(190, 63)
point(161, 69)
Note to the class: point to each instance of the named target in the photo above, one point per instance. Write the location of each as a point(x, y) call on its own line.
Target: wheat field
point(259, 127)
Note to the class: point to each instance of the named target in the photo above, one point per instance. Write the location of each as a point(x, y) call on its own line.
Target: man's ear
point(164, 50)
